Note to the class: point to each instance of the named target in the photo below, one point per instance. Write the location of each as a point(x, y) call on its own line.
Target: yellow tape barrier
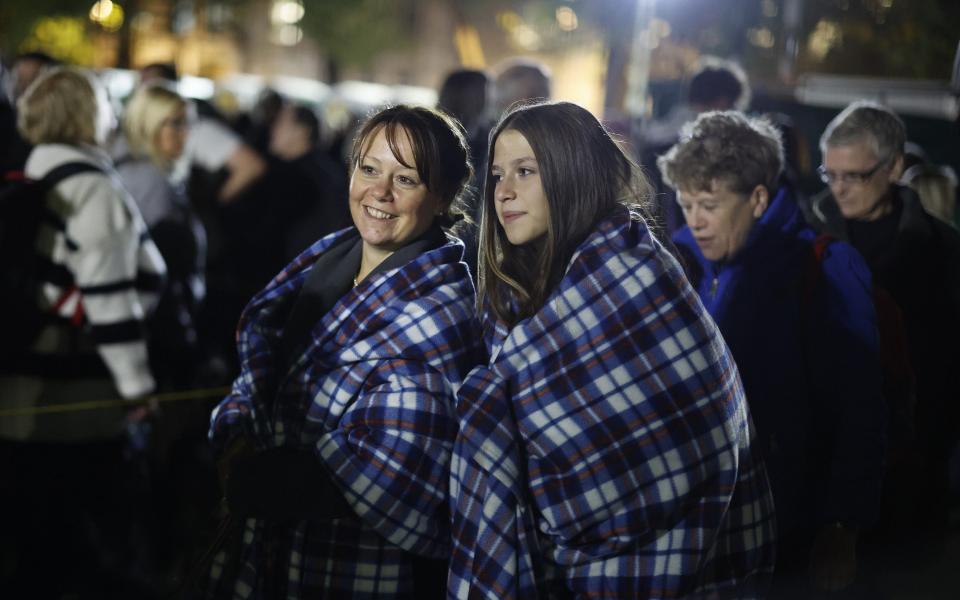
point(98, 404)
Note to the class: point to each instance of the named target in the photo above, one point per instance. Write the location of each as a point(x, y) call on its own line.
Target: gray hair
point(727, 147)
point(868, 122)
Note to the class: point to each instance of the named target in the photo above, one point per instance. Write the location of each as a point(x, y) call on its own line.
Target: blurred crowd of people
point(165, 226)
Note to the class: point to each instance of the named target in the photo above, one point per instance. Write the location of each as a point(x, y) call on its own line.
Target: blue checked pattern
point(605, 451)
point(373, 396)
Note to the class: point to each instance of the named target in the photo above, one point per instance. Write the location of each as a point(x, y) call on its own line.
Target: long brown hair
point(585, 175)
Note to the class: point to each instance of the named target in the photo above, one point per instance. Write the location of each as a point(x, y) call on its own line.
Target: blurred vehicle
point(907, 97)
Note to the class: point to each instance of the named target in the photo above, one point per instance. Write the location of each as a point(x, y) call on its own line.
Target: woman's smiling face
point(389, 203)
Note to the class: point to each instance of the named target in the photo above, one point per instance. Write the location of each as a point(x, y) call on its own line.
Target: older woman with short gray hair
point(800, 322)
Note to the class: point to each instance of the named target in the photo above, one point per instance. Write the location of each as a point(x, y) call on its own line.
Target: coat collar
point(914, 220)
point(45, 157)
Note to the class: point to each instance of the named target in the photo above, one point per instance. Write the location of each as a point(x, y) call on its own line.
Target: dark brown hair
point(585, 176)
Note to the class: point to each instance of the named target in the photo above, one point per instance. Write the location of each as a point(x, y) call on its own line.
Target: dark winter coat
point(920, 267)
point(803, 335)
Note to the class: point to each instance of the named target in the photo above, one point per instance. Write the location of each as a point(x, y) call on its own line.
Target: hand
point(138, 424)
point(283, 484)
point(236, 451)
point(833, 558)
point(144, 411)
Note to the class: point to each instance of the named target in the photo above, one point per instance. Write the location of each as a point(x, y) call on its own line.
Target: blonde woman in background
point(155, 129)
point(65, 486)
point(937, 187)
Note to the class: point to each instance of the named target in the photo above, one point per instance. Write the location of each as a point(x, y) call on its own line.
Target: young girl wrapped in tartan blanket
point(605, 449)
point(350, 358)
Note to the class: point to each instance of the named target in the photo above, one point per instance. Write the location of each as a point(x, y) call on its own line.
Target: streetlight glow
point(106, 14)
point(287, 11)
point(567, 19)
point(284, 15)
point(101, 10)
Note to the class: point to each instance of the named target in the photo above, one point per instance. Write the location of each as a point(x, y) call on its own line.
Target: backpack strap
point(47, 182)
point(58, 174)
point(14, 176)
point(55, 176)
point(77, 318)
point(899, 378)
point(820, 245)
point(814, 271)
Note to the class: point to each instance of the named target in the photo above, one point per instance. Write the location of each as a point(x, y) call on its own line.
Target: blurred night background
point(622, 59)
point(627, 61)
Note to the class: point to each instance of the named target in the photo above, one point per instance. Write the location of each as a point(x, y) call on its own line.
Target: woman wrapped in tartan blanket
point(335, 440)
point(605, 450)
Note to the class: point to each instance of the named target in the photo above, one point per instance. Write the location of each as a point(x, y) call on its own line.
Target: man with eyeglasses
point(915, 258)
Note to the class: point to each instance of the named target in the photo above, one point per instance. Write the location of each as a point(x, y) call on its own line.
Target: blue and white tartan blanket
point(372, 395)
point(605, 451)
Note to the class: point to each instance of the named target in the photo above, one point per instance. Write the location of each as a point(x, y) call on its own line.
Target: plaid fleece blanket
point(373, 396)
point(605, 451)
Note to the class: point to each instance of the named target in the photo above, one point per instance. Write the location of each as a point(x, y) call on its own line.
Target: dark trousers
point(69, 513)
point(791, 579)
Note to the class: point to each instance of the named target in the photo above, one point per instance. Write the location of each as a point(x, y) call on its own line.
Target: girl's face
point(518, 196)
point(172, 135)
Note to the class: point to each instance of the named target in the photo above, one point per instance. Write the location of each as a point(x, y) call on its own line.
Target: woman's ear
point(443, 208)
point(759, 200)
point(896, 171)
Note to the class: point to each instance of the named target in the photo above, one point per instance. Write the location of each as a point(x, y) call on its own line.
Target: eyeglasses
point(850, 177)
